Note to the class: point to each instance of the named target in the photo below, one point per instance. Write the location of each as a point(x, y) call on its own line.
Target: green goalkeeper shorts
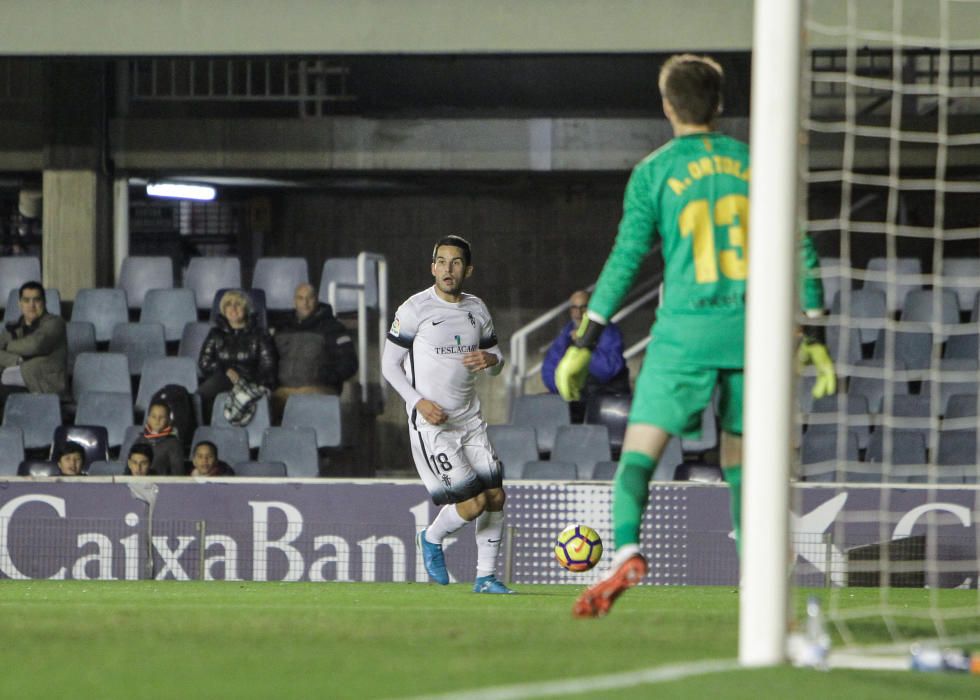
point(672, 395)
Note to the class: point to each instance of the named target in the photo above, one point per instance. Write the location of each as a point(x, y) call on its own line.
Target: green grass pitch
point(269, 640)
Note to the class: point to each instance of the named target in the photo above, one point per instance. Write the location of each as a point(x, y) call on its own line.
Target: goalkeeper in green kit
point(692, 196)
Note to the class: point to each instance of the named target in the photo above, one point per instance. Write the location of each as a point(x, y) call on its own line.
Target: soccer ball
point(578, 548)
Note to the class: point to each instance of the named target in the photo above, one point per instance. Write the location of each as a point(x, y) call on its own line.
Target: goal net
point(884, 531)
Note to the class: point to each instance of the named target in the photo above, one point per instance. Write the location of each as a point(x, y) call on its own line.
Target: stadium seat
point(174, 308)
point(844, 347)
point(515, 446)
point(103, 467)
point(961, 406)
point(912, 348)
point(112, 410)
point(260, 469)
point(344, 270)
point(139, 274)
point(52, 303)
point(255, 428)
point(80, 337)
point(703, 473)
point(130, 437)
point(612, 412)
point(819, 453)
point(232, 443)
point(206, 275)
point(38, 468)
point(582, 444)
point(36, 414)
point(957, 459)
point(294, 447)
point(318, 411)
point(962, 345)
point(604, 471)
point(906, 271)
point(278, 278)
point(825, 416)
point(192, 338)
point(830, 276)
point(921, 306)
point(257, 296)
point(15, 270)
point(955, 377)
point(866, 311)
point(962, 276)
point(868, 381)
point(907, 447)
point(550, 470)
point(101, 371)
point(94, 439)
point(139, 342)
point(159, 372)
point(543, 412)
point(103, 308)
point(11, 450)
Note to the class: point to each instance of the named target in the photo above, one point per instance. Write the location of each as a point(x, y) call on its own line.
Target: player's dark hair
point(457, 242)
point(206, 443)
point(692, 85)
point(36, 286)
point(141, 448)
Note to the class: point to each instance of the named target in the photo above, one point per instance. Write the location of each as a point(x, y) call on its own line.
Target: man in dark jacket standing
point(316, 351)
point(34, 349)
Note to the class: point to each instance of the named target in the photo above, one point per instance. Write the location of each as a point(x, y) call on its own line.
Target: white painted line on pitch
point(542, 689)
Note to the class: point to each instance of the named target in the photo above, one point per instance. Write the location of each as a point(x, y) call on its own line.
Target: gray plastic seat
point(907, 447)
point(543, 412)
point(701, 473)
point(612, 412)
point(963, 345)
point(174, 308)
point(139, 342)
point(112, 410)
point(275, 470)
point(103, 308)
point(962, 276)
point(206, 275)
point(38, 468)
point(961, 406)
point(825, 416)
point(294, 447)
point(871, 383)
point(141, 273)
point(958, 449)
point(103, 467)
point(819, 454)
point(905, 271)
point(830, 277)
point(15, 270)
point(94, 439)
point(36, 414)
point(920, 307)
point(318, 411)
point(101, 371)
point(844, 345)
point(232, 442)
point(583, 444)
point(955, 377)
point(515, 446)
point(255, 428)
point(551, 470)
point(866, 310)
point(52, 303)
point(279, 277)
point(79, 337)
point(344, 270)
point(160, 371)
point(11, 449)
point(192, 338)
point(604, 471)
point(130, 437)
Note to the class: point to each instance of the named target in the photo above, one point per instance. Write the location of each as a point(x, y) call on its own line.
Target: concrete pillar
point(74, 206)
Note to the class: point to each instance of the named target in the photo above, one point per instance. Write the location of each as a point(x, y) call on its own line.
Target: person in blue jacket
point(608, 373)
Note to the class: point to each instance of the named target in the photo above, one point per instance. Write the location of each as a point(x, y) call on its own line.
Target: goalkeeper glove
point(813, 353)
point(573, 369)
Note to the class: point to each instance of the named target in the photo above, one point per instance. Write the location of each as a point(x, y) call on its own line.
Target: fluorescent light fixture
point(180, 191)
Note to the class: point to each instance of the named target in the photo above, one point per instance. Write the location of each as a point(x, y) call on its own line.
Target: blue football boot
point(435, 562)
point(490, 584)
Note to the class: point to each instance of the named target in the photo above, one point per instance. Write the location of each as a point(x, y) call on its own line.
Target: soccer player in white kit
point(440, 340)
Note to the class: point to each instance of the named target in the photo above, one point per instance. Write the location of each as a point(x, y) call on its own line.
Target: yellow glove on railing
point(572, 371)
point(816, 354)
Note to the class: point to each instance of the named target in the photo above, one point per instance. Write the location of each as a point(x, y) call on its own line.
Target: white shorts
point(455, 463)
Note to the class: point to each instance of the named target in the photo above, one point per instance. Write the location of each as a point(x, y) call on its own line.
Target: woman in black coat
point(235, 348)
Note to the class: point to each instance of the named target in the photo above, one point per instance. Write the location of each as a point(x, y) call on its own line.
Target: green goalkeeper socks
point(733, 475)
point(631, 491)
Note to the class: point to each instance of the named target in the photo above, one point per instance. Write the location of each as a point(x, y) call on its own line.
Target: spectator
point(316, 352)
point(34, 350)
point(166, 444)
point(71, 461)
point(235, 350)
point(140, 461)
point(206, 462)
point(608, 373)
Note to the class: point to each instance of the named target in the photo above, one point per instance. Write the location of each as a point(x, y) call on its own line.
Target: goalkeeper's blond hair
point(692, 85)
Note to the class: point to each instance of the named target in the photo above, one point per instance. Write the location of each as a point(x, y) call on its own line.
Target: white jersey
point(434, 334)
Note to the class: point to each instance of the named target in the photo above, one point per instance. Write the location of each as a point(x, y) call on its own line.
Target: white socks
point(489, 533)
point(446, 523)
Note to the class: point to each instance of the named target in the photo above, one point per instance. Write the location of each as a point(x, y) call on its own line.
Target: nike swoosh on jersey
point(436, 323)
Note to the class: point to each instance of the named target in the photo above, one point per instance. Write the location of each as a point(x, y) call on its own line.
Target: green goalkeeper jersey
point(692, 196)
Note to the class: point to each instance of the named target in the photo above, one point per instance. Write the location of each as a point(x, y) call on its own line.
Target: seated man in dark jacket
point(236, 348)
point(34, 349)
point(316, 351)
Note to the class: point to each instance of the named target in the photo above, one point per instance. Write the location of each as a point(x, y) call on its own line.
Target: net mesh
point(890, 182)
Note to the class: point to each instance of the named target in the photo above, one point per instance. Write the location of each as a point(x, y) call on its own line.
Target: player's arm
point(813, 349)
